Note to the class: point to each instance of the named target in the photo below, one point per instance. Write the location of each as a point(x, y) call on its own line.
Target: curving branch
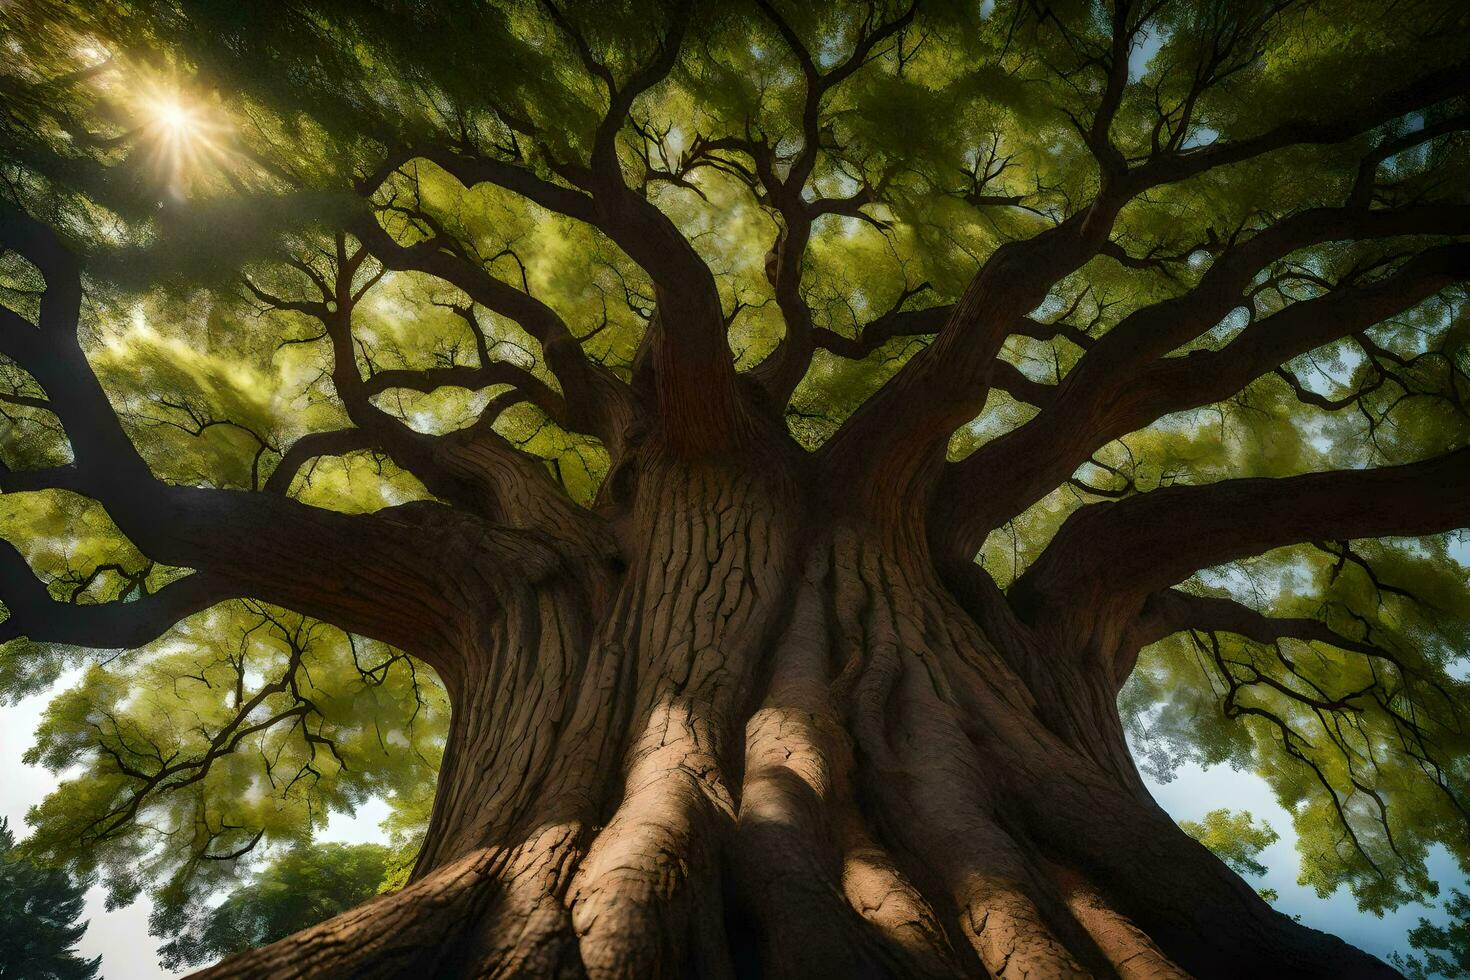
point(196, 422)
point(700, 405)
point(475, 468)
point(1170, 611)
point(943, 387)
point(1124, 381)
point(1365, 187)
point(336, 442)
point(895, 322)
point(1135, 547)
point(1181, 163)
point(332, 566)
point(788, 195)
point(898, 322)
point(1416, 705)
point(36, 614)
point(594, 399)
point(487, 375)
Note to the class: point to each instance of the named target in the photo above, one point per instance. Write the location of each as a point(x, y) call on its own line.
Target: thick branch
point(943, 386)
point(907, 423)
point(111, 625)
point(332, 566)
point(1146, 543)
point(696, 370)
point(1124, 383)
point(699, 403)
point(50, 352)
point(1008, 378)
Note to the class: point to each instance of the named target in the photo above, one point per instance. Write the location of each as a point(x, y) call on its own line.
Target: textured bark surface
point(755, 733)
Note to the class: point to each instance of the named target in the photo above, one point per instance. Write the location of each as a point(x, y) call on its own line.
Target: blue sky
point(121, 936)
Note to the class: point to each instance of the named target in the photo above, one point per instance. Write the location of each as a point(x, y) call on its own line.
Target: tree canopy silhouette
point(767, 458)
point(39, 907)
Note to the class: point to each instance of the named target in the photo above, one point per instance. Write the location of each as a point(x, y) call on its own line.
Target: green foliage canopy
point(1235, 837)
point(209, 158)
point(1445, 949)
point(307, 884)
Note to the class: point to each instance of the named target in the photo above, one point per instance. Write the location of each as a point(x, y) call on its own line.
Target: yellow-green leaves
point(1235, 837)
point(231, 737)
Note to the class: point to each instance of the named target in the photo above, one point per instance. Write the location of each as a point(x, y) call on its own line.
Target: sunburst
point(185, 137)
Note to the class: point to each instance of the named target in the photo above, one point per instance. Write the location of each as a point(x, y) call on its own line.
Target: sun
point(170, 117)
point(174, 117)
point(185, 139)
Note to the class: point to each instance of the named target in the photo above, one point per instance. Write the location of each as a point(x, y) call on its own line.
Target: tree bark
point(768, 739)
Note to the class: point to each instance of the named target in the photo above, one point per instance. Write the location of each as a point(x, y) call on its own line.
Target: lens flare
point(174, 117)
point(186, 141)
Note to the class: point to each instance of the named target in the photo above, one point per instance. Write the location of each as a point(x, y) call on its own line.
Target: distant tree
point(38, 911)
point(1445, 949)
point(1235, 837)
point(307, 884)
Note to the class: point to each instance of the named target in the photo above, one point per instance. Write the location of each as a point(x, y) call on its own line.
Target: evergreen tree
point(39, 908)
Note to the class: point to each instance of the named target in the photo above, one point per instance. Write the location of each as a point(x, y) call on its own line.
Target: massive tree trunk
point(758, 734)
